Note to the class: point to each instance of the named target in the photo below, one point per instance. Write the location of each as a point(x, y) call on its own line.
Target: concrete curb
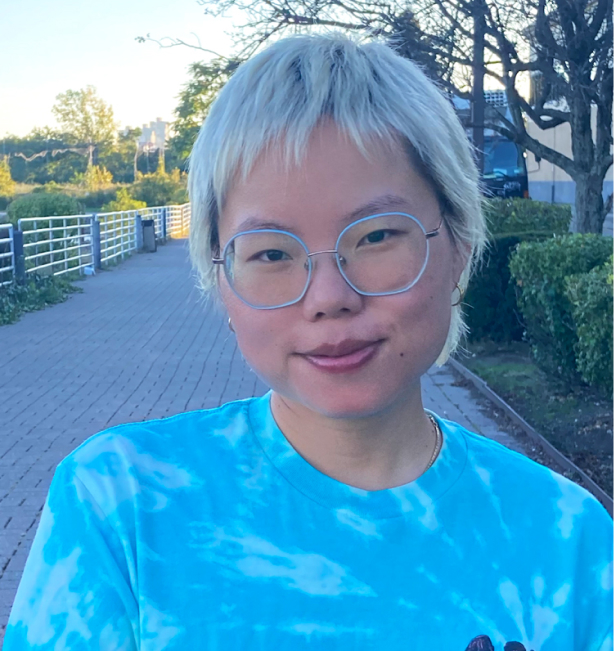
point(517, 419)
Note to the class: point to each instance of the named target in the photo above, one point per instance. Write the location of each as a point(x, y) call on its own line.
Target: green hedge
point(591, 296)
point(491, 309)
point(43, 204)
point(541, 271)
point(509, 216)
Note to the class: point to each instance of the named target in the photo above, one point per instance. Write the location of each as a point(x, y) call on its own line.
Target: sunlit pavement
point(138, 343)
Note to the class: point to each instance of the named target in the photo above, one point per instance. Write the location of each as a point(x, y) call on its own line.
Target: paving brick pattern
point(138, 343)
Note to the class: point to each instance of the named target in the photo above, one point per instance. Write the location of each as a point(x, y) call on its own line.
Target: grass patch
point(575, 419)
point(37, 293)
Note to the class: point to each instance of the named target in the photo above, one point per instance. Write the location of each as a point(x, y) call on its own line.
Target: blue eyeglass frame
point(427, 234)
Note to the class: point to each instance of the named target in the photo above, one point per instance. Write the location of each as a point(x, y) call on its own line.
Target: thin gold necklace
point(438, 441)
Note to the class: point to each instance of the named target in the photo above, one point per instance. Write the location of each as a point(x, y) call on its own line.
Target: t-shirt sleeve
point(594, 579)
point(76, 591)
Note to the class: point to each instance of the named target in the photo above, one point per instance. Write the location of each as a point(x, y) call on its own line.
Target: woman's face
point(391, 341)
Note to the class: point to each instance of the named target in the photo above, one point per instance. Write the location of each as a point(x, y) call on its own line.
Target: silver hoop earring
point(461, 295)
point(230, 326)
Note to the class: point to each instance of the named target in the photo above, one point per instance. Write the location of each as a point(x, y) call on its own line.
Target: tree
point(195, 99)
point(562, 47)
point(121, 160)
point(86, 118)
point(7, 185)
point(42, 156)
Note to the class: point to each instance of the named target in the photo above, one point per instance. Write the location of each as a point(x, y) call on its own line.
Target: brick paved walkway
point(138, 343)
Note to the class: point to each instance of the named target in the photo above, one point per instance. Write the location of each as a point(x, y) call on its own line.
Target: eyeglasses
point(377, 256)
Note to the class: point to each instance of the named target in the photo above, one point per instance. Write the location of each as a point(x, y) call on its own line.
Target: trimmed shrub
point(43, 204)
point(490, 303)
point(123, 201)
point(512, 216)
point(540, 270)
point(590, 296)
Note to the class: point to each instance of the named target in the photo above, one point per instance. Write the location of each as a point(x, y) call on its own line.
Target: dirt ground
point(576, 420)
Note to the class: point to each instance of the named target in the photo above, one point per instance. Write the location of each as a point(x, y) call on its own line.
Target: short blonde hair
point(281, 95)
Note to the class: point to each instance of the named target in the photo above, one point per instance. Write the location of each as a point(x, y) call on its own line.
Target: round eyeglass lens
point(266, 268)
point(383, 254)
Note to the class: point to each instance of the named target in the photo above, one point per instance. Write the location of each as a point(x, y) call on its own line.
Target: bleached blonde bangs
point(279, 96)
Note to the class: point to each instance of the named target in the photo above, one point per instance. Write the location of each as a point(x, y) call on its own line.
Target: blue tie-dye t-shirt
point(208, 531)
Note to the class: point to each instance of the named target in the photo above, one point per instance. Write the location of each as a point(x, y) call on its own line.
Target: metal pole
point(138, 225)
point(96, 247)
point(477, 105)
point(20, 261)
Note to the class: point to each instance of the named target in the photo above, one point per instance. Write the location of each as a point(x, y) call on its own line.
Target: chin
point(346, 402)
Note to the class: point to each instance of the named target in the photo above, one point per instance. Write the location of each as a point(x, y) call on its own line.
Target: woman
point(336, 213)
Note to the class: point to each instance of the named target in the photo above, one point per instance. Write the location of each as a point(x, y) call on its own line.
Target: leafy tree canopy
point(561, 49)
point(206, 80)
point(86, 118)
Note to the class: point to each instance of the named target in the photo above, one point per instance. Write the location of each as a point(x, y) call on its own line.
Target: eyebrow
point(383, 203)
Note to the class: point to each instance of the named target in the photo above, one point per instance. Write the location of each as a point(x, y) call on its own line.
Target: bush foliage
point(123, 201)
point(514, 215)
point(590, 296)
point(7, 185)
point(35, 294)
point(490, 303)
point(161, 189)
point(541, 271)
point(43, 204)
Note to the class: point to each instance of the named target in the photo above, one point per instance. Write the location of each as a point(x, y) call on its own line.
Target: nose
point(329, 294)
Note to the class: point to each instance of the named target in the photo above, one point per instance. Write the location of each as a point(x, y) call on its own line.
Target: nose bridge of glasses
point(318, 252)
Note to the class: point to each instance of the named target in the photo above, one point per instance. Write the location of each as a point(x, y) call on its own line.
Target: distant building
point(154, 136)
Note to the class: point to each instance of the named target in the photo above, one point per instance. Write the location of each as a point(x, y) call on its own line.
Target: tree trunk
point(589, 203)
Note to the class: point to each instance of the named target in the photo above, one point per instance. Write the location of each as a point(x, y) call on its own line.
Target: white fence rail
point(118, 236)
point(56, 245)
point(7, 255)
point(76, 243)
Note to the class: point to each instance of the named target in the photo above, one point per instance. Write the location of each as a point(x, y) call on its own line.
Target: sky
point(50, 47)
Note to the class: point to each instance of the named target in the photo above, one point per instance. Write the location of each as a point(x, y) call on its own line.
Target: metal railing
point(7, 255)
point(178, 220)
point(118, 236)
point(57, 245)
point(82, 243)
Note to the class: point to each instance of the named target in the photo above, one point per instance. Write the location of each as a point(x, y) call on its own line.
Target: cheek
point(259, 333)
point(424, 319)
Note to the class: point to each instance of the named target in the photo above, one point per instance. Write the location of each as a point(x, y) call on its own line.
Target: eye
point(271, 255)
point(375, 237)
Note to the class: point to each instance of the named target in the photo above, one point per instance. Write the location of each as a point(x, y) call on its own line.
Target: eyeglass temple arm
point(217, 260)
point(435, 231)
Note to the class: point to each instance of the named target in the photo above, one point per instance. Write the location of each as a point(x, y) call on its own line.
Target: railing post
point(164, 224)
point(96, 248)
point(20, 261)
point(138, 226)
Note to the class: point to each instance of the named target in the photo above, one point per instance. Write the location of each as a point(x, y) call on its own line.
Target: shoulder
point(153, 457)
point(527, 490)
point(174, 436)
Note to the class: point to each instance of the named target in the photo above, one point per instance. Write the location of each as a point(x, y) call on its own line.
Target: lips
point(346, 356)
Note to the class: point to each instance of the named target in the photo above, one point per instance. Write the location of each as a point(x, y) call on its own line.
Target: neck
point(374, 452)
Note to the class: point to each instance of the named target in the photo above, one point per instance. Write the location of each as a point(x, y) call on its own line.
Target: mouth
point(348, 355)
